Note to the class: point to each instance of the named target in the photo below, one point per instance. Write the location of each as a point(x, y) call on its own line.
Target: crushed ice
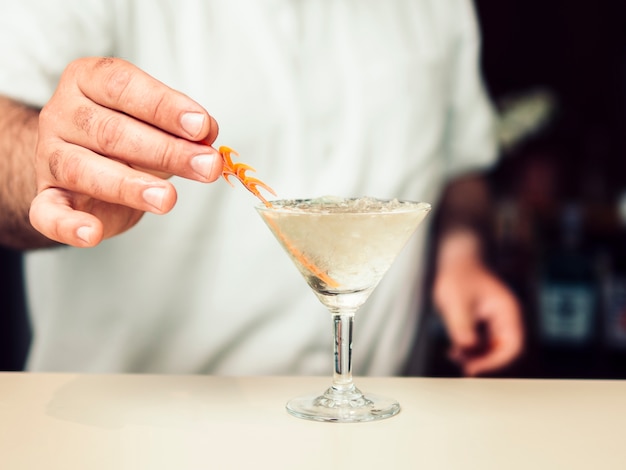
point(337, 204)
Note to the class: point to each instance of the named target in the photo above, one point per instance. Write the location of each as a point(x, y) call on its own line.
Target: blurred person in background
point(109, 113)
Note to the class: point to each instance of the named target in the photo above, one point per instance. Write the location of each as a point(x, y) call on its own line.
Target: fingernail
point(85, 233)
point(203, 164)
point(154, 197)
point(192, 123)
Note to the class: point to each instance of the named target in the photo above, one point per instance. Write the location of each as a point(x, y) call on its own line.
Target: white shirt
point(351, 97)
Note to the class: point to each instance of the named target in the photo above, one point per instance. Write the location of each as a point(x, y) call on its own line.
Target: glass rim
point(411, 205)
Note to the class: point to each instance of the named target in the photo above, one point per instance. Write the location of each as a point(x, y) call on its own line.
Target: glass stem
point(342, 373)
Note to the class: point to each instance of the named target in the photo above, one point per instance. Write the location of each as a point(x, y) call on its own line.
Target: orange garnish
point(238, 170)
point(321, 275)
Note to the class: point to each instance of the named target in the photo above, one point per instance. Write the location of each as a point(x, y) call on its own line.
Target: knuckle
point(46, 116)
point(167, 153)
point(160, 107)
point(122, 189)
point(73, 67)
point(65, 168)
point(72, 170)
point(108, 134)
point(104, 62)
point(118, 82)
point(54, 163)
point(83, 118)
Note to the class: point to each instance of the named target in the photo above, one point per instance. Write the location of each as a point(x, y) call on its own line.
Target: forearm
point(481, 315)
point(463, 227)
point(18, 138)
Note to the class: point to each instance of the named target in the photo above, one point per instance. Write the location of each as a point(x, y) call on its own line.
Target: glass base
point(343, 406)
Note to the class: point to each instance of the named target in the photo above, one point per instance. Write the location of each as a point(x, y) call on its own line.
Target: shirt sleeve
point(471, 138)
point(38, 38)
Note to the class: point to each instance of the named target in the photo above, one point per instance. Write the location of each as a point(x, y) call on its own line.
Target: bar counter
point(93, 422)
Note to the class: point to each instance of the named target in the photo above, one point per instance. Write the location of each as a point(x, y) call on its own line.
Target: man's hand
point(109, 138)
point(481, 314)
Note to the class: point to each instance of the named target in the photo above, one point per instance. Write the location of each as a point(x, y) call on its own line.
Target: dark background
point(575, 51)
point(14, 328)
point(556, 225)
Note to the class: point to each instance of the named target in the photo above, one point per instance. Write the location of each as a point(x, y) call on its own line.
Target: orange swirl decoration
point(238, 170)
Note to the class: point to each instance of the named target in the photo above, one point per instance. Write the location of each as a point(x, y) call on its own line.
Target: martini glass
point(343, 247)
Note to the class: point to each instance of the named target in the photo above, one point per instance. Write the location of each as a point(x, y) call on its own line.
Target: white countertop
point(93, 422)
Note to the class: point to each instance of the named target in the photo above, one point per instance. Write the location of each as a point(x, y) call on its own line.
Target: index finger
point(120, 85)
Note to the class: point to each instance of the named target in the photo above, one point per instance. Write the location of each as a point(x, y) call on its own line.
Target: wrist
point(457, 248)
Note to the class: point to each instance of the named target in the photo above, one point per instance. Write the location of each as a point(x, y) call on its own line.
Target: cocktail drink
point(343, 247)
